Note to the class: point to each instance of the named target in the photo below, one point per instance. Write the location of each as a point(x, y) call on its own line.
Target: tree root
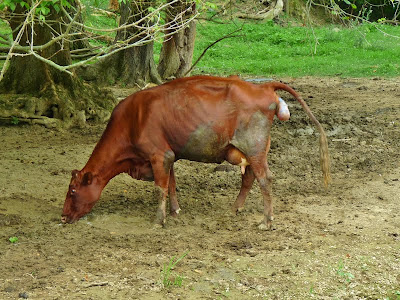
point(45, 121)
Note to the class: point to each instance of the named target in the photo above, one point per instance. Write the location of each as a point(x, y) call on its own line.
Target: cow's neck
point(111, 156)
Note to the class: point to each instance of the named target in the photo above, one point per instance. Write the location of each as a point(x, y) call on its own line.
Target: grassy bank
point(266, 49)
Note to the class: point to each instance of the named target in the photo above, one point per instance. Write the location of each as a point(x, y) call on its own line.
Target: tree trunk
point(133, 66)
point(27, 74)
point(287, 7)
point(47, 92)
point(177, 50)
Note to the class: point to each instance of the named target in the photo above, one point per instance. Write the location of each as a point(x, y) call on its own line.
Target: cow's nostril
point(63, 219)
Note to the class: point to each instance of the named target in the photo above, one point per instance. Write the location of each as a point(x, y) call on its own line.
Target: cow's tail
point(323, 142)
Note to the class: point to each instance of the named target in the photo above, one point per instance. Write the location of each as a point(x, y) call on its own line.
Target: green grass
point(5, 29)
point(167, 274)
point(266, 49)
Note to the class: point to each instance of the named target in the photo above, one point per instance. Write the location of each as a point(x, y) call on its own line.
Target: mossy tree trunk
point(27, 74)
point(33, 90)
point(177, 50)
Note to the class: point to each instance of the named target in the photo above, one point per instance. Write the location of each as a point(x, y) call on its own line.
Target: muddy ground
point(337, 243)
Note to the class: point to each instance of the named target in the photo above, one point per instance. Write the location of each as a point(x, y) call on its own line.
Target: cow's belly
point(204, 145)
point(210, 143)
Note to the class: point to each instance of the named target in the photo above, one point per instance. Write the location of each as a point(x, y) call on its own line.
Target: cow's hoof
point(240, 209)
point(160, 222)
point(237, 210)
point(175, 213)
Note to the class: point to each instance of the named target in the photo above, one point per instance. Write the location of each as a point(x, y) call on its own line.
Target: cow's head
point(83, 192)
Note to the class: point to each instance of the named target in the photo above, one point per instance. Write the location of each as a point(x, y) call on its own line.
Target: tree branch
point(229, 35)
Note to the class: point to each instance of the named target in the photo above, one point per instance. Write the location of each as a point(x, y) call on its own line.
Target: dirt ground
point(337, 243)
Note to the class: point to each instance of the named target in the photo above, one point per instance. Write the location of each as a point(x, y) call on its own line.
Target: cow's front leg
point(174, 205)
point(247, 182)
point(161, 165)
point(264, 178)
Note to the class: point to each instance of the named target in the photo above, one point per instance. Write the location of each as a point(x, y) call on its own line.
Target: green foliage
point(266, 49)
point(12, 4)
point(42, 9)
point(167, 273)
point(372, 10)
point(395, 295)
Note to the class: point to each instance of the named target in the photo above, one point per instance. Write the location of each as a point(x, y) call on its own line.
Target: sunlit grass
point(266, 49)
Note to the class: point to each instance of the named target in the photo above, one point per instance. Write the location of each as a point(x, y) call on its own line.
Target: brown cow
point(205, 119)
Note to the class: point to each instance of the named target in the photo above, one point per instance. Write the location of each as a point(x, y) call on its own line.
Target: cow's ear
point(74, 173)
point(87, 178)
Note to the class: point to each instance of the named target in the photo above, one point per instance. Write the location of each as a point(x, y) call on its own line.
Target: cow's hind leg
point(161, 165)
point(264, 177)
point(247, 182)
point(237, 157)
point(174, 205)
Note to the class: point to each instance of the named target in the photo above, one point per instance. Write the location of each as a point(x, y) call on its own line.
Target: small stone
point(23, 295)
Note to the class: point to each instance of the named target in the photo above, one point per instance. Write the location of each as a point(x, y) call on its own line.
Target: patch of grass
point(395, 295)
point(4, 28)
point(266, 49)
point(168, 278)
point(14, 121)
point(94, 19)
point(343, 273)
point(13, 240)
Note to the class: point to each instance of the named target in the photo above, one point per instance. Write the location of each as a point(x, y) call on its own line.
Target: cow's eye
point(73, 191)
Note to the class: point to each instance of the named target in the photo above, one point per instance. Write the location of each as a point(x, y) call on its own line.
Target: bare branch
point(229, 35)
